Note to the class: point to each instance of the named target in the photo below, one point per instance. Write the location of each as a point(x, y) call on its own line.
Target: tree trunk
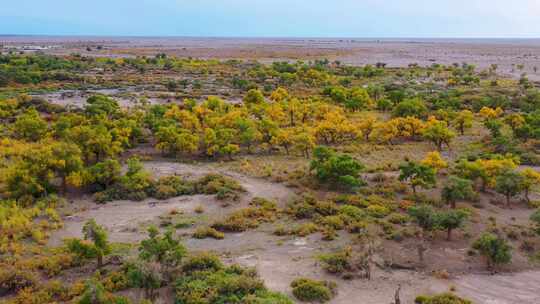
point(508, 201)
point(64, 184)
point(99, 261)
point(453, 204)
point(449, 234)
point(421, 249)
point(397, 299)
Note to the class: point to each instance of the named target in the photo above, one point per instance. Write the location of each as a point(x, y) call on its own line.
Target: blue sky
point(274, 18)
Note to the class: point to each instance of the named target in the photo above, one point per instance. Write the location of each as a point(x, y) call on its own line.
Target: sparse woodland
point(393, 165)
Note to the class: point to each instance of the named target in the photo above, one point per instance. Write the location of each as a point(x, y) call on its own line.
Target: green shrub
point(333, 221)
point(244, 219)
point(209, 282)
point(308, 290)
point(206, 232)
point(214, 183)
point(13, 280)
point(398, 218)
point(357, 227)
point(338, 170)
point(445, 298)
point(378, 211)
point(337, 262)
point(306, 229)
point(202, 262)
point(352, 212)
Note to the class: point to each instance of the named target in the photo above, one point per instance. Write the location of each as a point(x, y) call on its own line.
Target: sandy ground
point(279, 260)
point(507, 53)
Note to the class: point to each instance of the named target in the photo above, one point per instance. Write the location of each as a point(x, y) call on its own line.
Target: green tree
point(456, 189)
point(136, 181)
point(253, 97)
point(177, 140)
point(450, 220)
point(337, 169)
point(437, 132)
point(411, 107)
point(464, 120)
point(358, 99)
point(67, 163)
point(95, 243)
point(163, 249)
point(101, 105)
point(535, 218)
point(95, 141)
point(103, 174)
point(494, 248)
point(509, 183)
point(30, 126)
point(426, 218)
point(494, 126)
point(144, 275)
point(417, 175)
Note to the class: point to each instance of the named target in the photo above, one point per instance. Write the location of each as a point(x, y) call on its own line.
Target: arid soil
point(508, 54)
point(279, 260)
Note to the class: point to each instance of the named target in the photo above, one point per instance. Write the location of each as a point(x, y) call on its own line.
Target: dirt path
point(279, 260)
point(518, 288)
point(123, 219)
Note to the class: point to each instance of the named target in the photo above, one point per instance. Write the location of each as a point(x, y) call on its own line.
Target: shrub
point(308, 290)
point(333, 221)
point(206, 232)
point(210, 282)
point(352, 212)
point(144, 275)
point(357, 227)
point(164, 192)
point(244, 219)
point(337, 262)
point(13, 280)
point(445, 298)
point(307, 207)
point(398, 218)
point(329, 233)
point(495, 249)
point(214, 183)
point(202, 262)
point(378, 211)
point(306, 229)
point(340, 170)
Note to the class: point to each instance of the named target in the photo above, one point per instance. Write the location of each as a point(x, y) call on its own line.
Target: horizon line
point(268, 36)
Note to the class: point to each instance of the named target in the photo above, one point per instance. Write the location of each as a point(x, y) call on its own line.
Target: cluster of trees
point(42, 156)
point(500, 174)
point(338, 170)
point(492, 247)
point(495, 172)
point(164, 261)
point(33, 69)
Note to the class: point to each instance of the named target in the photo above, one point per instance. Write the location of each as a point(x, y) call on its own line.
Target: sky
point(274, 18)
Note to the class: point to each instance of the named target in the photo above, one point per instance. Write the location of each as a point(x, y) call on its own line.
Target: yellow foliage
point(385, 132)
point(279, 95)
point(434, 160)
point(490, 113)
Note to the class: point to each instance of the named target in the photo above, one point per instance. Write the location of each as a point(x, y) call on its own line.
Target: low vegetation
point(416, 159)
